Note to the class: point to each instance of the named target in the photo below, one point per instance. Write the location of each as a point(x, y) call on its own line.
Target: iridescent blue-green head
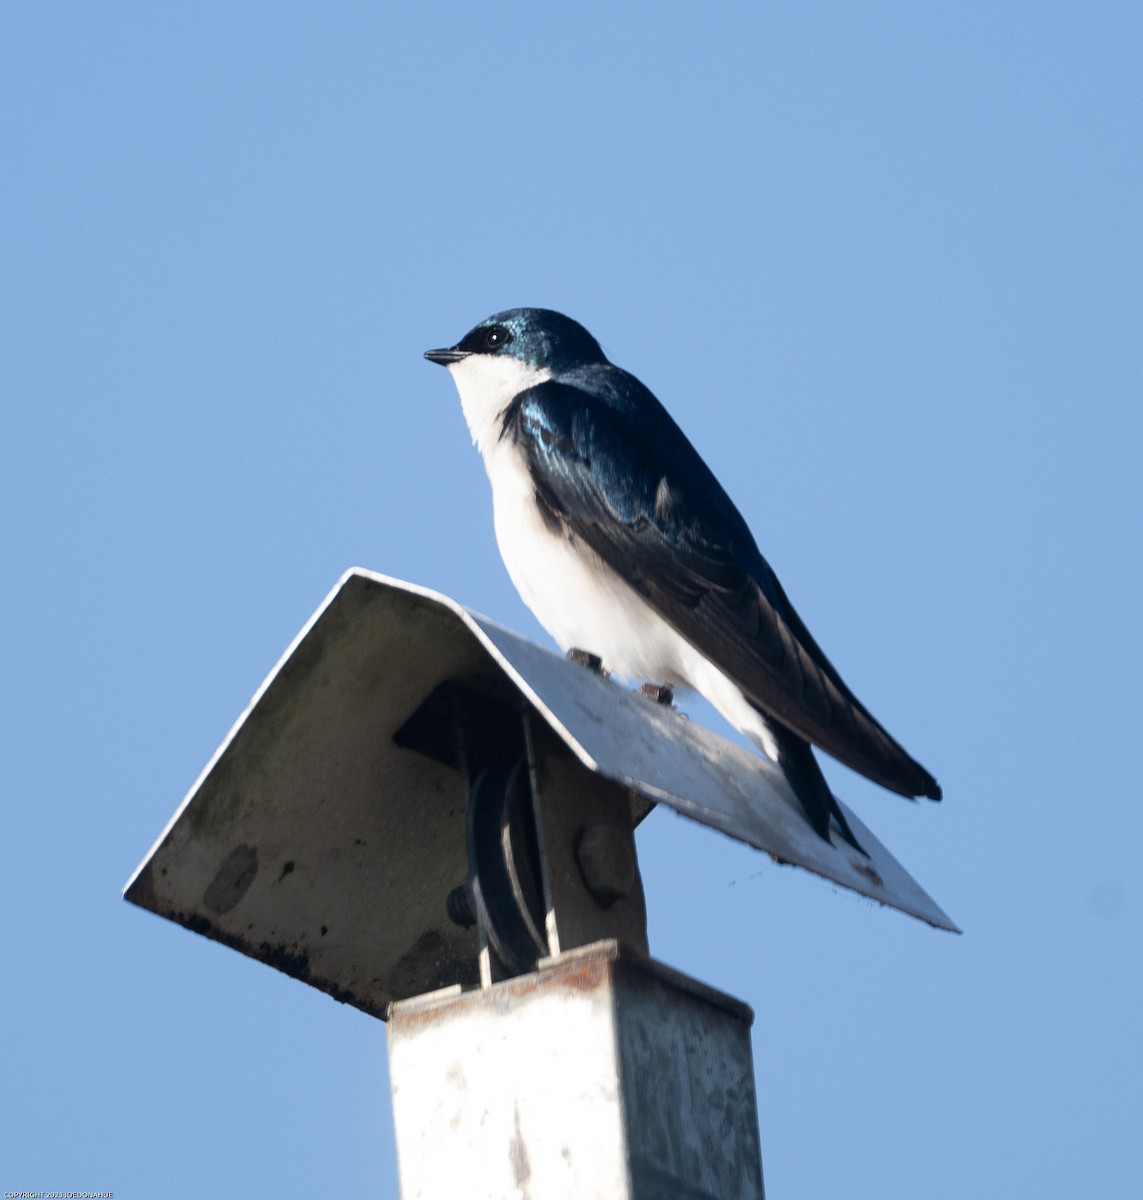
point(507, 354)
point(537, 337)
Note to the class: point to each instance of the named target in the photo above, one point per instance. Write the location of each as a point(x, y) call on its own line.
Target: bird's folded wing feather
point(610, 466)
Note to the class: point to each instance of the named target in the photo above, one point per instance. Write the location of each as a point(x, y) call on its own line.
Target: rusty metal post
point(601, 1074)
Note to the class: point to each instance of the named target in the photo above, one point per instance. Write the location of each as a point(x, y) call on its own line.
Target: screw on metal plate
point(661, 693)
point(585, 658)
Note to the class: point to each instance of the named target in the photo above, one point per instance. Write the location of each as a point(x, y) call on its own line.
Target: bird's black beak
point(445, 357)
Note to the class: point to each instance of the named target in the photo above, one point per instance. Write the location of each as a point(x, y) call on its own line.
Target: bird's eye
point(496, 337)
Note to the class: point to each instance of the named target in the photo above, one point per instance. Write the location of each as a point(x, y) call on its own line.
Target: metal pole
point(600, 1074)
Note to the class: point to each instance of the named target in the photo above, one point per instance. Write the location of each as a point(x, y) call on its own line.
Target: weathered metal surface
point(314, 842)
point(582, 827)
point(663, 757)
point(353, 844)
point(601, 1074)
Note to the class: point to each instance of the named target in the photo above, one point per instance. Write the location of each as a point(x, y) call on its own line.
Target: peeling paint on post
point(602, 1074)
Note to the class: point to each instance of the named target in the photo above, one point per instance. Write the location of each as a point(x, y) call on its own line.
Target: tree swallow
point(622, 542)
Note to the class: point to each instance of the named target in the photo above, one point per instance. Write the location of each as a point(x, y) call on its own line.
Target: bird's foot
point(585, 658)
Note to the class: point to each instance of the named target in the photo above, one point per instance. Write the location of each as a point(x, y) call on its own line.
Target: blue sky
point(882, 262)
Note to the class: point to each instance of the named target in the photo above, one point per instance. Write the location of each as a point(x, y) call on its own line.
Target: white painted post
point(602, 1074)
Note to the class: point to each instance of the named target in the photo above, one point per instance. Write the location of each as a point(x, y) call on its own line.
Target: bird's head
point(538, 338)
point(508, 353)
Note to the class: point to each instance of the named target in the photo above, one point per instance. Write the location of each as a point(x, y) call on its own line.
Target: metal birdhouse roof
point(320, 840)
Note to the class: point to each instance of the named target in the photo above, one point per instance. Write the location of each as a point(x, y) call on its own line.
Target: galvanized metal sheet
point(667, 758)
point(314, 843)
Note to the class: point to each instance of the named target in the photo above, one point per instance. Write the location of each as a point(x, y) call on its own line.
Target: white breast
point(577, 598)
point(487, 383)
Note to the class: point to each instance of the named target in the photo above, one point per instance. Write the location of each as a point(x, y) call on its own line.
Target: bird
point(625, 546)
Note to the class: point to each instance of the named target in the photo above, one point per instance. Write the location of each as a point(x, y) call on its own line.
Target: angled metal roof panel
point(313, 842)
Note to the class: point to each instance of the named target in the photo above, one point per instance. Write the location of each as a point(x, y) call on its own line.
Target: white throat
point(487, 383)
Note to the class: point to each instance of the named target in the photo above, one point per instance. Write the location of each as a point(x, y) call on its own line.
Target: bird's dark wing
point(611, 468)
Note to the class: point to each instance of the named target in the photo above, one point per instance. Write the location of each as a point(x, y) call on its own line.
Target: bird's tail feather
point(796, 758)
